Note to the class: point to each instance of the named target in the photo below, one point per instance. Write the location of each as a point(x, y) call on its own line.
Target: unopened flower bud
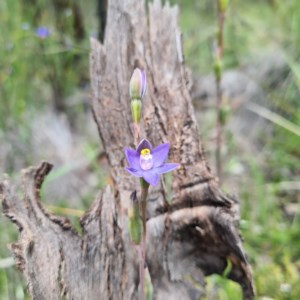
point(135, 224)
point(137, 85)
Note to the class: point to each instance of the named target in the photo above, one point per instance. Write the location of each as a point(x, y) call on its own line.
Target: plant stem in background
point(221, 9)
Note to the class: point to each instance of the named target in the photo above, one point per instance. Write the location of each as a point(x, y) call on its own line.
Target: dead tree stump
point(190, 237)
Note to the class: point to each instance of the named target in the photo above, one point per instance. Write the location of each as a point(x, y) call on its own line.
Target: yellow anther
point(145, 152)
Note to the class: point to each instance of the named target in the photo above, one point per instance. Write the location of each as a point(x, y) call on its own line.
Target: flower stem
point(144, 188)
point(136, 133)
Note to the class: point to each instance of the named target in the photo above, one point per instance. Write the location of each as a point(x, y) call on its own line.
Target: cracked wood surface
point(193, 236)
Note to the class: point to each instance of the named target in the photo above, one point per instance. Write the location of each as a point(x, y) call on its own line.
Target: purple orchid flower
point(138, 84)
point(148, 163)
point(42, 32)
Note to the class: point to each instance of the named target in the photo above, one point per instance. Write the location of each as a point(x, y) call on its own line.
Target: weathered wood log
point(192, 236)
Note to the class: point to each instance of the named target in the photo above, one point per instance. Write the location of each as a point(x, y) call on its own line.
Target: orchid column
point(147, 163)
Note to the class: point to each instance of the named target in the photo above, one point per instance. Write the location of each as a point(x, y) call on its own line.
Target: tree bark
point(192, 236)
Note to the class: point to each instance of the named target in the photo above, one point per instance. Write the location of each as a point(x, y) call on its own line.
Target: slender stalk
point(219, 130)
point(218, 77)
point(136, 133)
point(145, 188)
point(143, 246)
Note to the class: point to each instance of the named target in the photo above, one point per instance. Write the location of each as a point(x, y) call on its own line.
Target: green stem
point(144, 188)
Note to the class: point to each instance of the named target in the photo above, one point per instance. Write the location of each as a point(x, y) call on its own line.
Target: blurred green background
point(45, 114)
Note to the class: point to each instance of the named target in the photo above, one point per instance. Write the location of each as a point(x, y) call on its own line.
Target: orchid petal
point(133, 158)
point(134, 172)
point(151, 177)
point(167, 167)
point(160, 154)
point(144, 144)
